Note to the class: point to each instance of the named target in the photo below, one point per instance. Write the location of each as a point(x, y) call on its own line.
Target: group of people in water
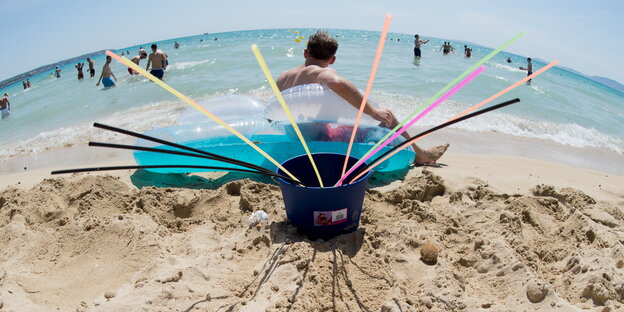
point(446, 47)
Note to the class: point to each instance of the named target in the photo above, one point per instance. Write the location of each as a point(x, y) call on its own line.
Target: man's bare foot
point(430, 156)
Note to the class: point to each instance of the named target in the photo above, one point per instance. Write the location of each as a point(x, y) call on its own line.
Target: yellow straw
point(198, 107)
point(278, 94)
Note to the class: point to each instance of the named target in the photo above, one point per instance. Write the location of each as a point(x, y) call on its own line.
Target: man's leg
point(423, 157)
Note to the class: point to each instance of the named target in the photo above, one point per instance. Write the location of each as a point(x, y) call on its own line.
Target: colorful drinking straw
point(444, 89)
point(280, 98)
point(369, 86)
point(491, 98)
point(414, 120)
point(198, 107)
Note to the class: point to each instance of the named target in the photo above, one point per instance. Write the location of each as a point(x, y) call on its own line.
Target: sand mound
point(97, 244)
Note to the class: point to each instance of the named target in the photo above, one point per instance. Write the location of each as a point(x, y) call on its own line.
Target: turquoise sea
point(559, 106)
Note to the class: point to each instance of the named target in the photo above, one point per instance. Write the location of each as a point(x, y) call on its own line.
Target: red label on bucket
point(324, 218)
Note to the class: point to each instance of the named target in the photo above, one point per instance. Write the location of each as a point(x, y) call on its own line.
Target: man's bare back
point(156, 60)
point(318, 56)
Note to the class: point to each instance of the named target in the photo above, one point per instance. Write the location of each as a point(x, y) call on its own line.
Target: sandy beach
point(483, 232)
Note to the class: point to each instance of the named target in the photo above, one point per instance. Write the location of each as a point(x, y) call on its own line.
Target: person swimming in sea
point(5, 107)
point(509, 60)
point(106, 74)
point(319, 54)
point(157, 61)
point(57, 72)
point(176, 45)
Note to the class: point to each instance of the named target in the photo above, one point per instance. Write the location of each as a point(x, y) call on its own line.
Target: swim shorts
point(157, 72)
point(416, 52)
point(529, 73)
point(108, 82)
point(5, 113)
point(80, 75)
point(92, 72)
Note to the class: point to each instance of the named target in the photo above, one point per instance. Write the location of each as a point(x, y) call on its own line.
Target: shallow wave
point(187, 65)
point(505, 67)
point(140, 119)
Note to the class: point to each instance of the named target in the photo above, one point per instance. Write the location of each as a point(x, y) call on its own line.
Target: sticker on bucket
point(324, 218)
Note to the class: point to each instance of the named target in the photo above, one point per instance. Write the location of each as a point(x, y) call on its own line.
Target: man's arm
point(100, 80)
point(164, 61)
point(424, 42)
point(149, 62)
point(352, 95)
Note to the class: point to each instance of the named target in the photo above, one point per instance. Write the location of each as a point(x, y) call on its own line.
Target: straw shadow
point(142, 178)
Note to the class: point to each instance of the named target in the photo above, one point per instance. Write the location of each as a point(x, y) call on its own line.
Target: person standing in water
point(28, 84)
point(176, 45)
point(25, 85)
point(509, 60)
point(5, 107)
point(158, 61)
point(529, 69)
point(319, 54)
point(467, 51)
point(136, 60)
point(417, 44)
point(91, 68)
point(106, 74)
point(57, 72)
point(79, 67)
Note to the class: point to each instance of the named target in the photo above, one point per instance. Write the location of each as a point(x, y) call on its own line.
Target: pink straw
point(439, 101)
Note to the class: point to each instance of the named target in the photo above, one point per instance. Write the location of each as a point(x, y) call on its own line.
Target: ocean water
point(559, 106)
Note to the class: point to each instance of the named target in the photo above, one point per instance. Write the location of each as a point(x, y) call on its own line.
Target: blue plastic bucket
point(322, 212)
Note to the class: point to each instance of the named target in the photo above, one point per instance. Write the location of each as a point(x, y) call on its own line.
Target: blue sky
point(582, 34)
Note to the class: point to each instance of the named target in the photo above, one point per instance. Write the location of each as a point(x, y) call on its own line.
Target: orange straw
point(369, 86)
point(491, 98)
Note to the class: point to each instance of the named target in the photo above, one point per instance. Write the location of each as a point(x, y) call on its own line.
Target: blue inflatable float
point(324, 118)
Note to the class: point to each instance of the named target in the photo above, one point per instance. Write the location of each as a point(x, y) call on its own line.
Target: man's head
point(142, 54)
point(88, 59)
point(154, 47)
point(108, 59)
point(529, 59)
point(6, 95)
point(321, 46)
point(416, 36)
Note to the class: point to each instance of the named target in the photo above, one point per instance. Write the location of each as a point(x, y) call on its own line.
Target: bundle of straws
point(358, 169)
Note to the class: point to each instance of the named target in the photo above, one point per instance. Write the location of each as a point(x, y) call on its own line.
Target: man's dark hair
point(322, 46)
point(529, 59)
point(154, 46)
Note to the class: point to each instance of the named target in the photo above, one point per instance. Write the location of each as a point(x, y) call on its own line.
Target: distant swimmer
point(25, 85)
point(417, 44)
point(446, 48)
point(176, 45)
point(319, 55)
point(529, 68)
point(201, 40)
point(216, 39)
point(123, 53)
point(106, 74)
point(57, 72)
point(5, 107)
point(28, 84)
point(79, 67)
point(509, 60)
point(467, 51)
point(91, 68)
point(142, 55)
point(158, 61)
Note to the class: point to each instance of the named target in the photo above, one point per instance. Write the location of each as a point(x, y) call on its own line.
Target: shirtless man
point(91, 68)
point(5, 107)
point(106, 74)
point(158, 61)
point(417, 43)
point(529, 69)
point(142, 55)
point(57, 72)
point(319, 54)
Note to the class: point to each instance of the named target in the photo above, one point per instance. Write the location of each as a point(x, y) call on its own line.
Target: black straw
point(132, 167)
point(446, 124)
point(157, 140)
